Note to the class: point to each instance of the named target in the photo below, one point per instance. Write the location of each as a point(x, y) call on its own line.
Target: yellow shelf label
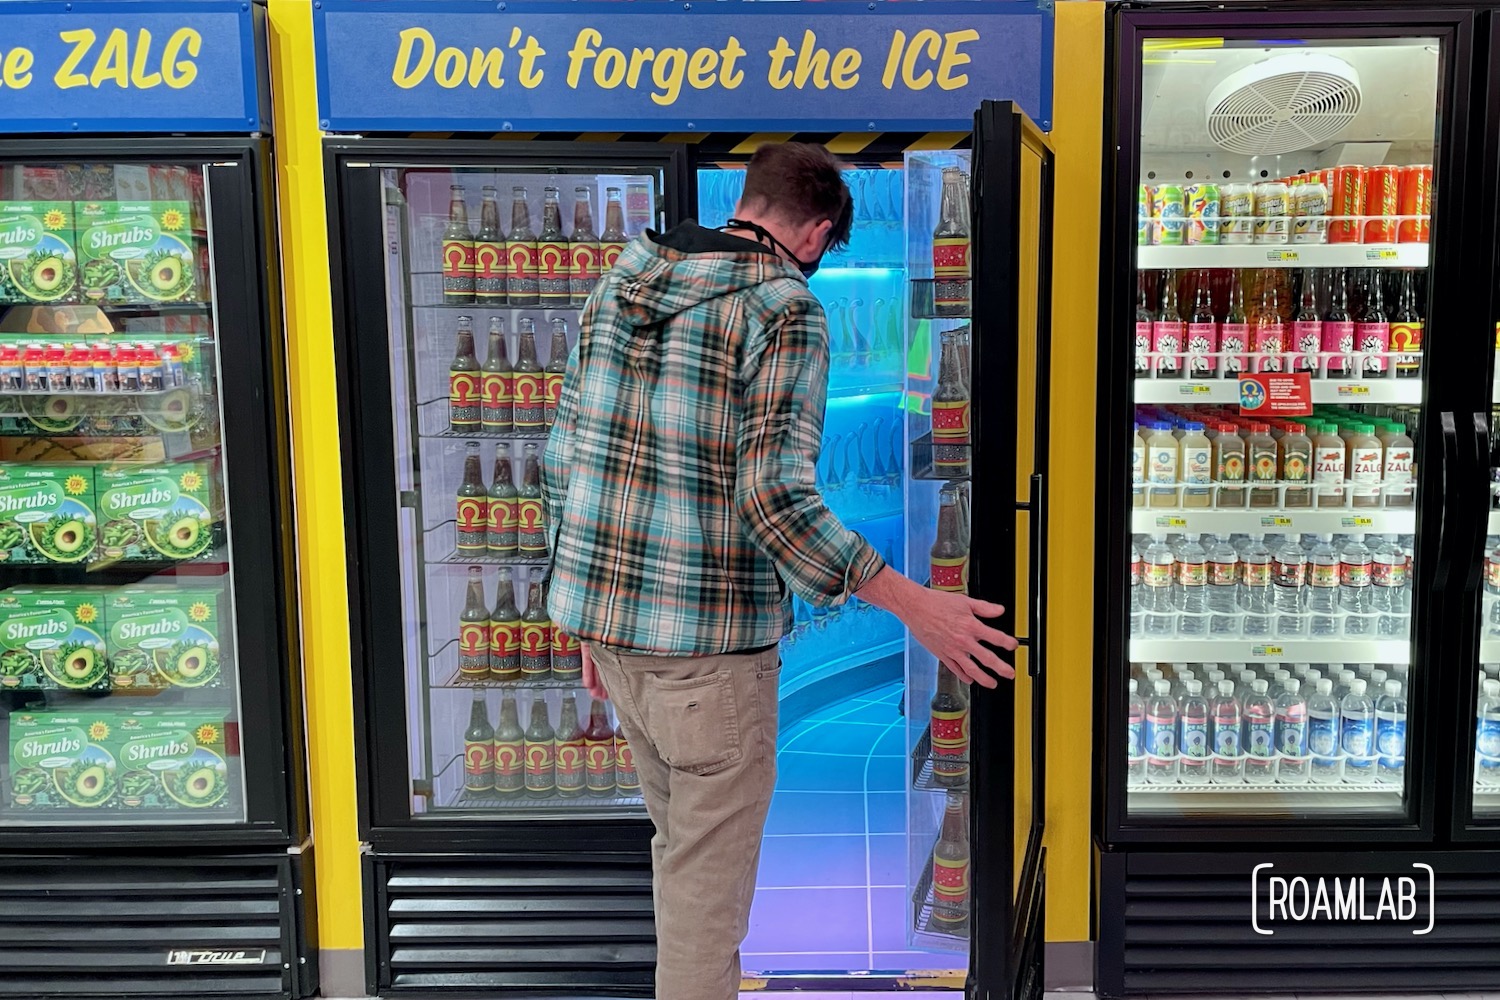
point(1171, 522)
point(1288, 256)
point(1266, 651)
point(1275, 522)
point(1388, 253)
point(1193, 390)
point(1354, 390)
point(1358, 522)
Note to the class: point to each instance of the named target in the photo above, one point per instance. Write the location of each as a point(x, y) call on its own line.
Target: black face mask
point(808, 268)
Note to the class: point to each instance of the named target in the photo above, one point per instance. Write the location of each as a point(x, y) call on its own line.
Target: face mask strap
point(808, 268)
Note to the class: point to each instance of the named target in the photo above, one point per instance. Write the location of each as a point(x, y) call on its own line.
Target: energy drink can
point(1202, 213)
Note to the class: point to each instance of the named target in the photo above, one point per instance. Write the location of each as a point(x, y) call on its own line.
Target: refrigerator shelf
point(922, 764)
point(1414, 255)
point(466, 559)
point(922, 305)
point(524, 684)
point(1341, 789)
point(1324, 390)
point(1290, 650)
point(923, 465)
point(1216, 521)
point(1269, 801)
point(480, 306)
point(524, 435)
point(493, 800)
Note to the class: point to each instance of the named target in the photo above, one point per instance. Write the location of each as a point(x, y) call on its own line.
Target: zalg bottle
point(950, 731)
point(520, 253)
point(950, 247)
point(530, 410)
point(510, 749)
point(458, 250)
point(541, 751)
point(464, 381)
point(554, 260)
point(531, 530)
point(497, 383)
point(949, 556)
point(479, 748)
point(950, 867)
point(950, 414)
point(613, 239)
point(474, 631)
point(584, 247)
point(489, 252)
point(503, 515)
point(505, 631)
point(571, 776)
point(557, 368)
point(599, 751)
point(536, 632)
point(471, 528)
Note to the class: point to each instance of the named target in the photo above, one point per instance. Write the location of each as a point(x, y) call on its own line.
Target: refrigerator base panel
point(1348, 921)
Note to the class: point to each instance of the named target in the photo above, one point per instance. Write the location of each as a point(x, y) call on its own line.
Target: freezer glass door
point(1285, 215)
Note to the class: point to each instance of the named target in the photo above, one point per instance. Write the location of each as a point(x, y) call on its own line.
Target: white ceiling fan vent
point(1283, 104)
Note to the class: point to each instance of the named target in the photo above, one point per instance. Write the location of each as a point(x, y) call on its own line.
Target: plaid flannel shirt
point(679, 478)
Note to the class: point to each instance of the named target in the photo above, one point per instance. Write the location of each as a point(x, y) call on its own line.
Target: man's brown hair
point(800, 181)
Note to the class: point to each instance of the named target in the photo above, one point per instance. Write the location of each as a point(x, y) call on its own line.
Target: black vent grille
point(147, 927)
point(534, 922)
point(1182, 923)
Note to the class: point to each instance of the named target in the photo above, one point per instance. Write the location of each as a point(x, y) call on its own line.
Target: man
point(679, 483)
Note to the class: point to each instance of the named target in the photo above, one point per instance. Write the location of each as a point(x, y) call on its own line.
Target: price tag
point(1191, 389)
point(1171, 522)
point(1358, 522)
point(1354, 390)
point(1283, 256)
point(1386, 253)
point(1266, 651)
point(1275, 522)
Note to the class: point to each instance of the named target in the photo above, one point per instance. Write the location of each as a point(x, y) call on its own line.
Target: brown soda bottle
point(510, 749)
point(489, 251)
point(950, 414)
point(1202, 332)
point(531, 529)
point(1268, 332)
point(567, 655)
point(599, 751)
point(554, 256)
point(612, 241)
point(950, 867)
point(950, 556)
point(505, 631)
point(1338, 325)
point(1372, 330)
point(536, 632)
point(1307, 326)
point(541, 750)
point(497, 383)
point(479, 748)
point(471, 527)
point(627, 779)
point(1234, 332)
point(530, 410)
point(520, 253)
point(474, 632)
point(503, 516)
point(1406, 329)
point(950, 731)
point(1169, 331)
point(584, 246)
point(950, 247)
point(1144, 318)
point(571, 772)
point(458, 250)
point(557, 367)
point(464, 381)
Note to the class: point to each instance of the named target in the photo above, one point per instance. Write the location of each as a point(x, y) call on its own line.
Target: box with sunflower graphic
point(163, 636)
point(136, 252)
point(64, 760)
point(47, 513)
point(37, 260)
point(155, 511)
point(173, 760)
point(53, 638)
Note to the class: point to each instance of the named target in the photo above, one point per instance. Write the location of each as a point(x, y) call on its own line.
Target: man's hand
point(591, 681)
point(946, 624)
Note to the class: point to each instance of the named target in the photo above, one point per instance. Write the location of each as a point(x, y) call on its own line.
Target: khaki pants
point(703, 731)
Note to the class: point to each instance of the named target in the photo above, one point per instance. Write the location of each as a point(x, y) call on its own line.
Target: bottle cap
point(1325, 686)
point(1393, 688)
point(1395, 428)
point(1192, 425)
point(1357, 687)
point(1257, 427)
point(1296, 428)
point(1162, 687)
point(1292, 686)
point(1226, 688)
point(1259, 686)
point(1194, 687)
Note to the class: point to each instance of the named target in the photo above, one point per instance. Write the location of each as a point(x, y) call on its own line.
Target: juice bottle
point(1229, 466)
point(1328, 466)
point(1263, 466)
point(1399, 451)
point(1296, 465)
point(1137, 468)
point(1366, 465)
point(1197, 466)
point(1163, 453)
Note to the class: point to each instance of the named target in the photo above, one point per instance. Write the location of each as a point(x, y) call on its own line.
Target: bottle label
point(1365, 472)
point(950, 422)
point(553, 266)
point(552, 385)
point(1164, 466)
point(505, 648)
point(1324, 575)
point(1161, 738)
point(458, 268)
point(599, 764)
point(1354, 574)
point(1138, 465)
point(1202, 342)
point(1296, 467)
point(473, 524)
point(1142, 347)
point(1338, 338)
point(950, 742)
point(530, 410)
point(531, 526)
point(463, 399)
point(510, 773)
point(1256, 575)
point(495, 410)
point(1373, 340)
point(1166, 342)
point(1322, 737)
point(521, 265)
point(1234, 339)
point(1231, 467)
point(1492, 575)
point(504, 519)
point(541, 765)
point(1307, 336)
point(1390, 740)
point(1393, 574)
point(1398, 470)
point(536, 648)
point(569, 766)
point(1260, 736)
point(1134, 732)
point(1195, 738)
point(1328, 469)
point(567, 655)
point(479, 765)
point(1290, 574)
point(585, 259)
point(1293, 735)
point(1157, 574)
point(625, 774)
point(1264, 465)
point(489, 270)
point(950, 889)
point(950, 258)
point(1197, 467)
point(1487, 744)
point(474, 649)
point(1270, 341)
point(609, 252)
point(1192, 574)
point(1135, 571)
point(950, 574)
point(1406, 341)
point(1356, 741)
point(1223, 574)
point(1227, 739)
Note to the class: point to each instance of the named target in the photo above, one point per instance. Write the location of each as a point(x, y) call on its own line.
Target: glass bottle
point(1406, 329)
point(458, 250)
point(612, 241)
point(531, 530)
point(497, 383)
point(541, 751)
point(521, 253)
point(554, 260)
point(950, 731)
point(951, 246)
point(474, 631)
point(1202, 331)
point(557, 367)
point(949, 557)
point(510, 749)
point(536, 632)
point(489, 251)
point(572, 778)
point(471, 527)
point(1168, 330)
point(530, 410)
point(505, 631)
point(584, 246)
point(950, 415)
point(479, 748)
point(950, 867)
point(464, 381)
point(504, 506)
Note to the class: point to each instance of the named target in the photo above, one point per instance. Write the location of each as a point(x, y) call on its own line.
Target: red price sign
point(1276, 394)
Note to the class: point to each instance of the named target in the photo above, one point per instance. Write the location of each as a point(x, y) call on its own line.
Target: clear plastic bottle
point(1323, 587)
point(1357, 734)
point(1255, 572)
point(1345, 684)
point(1487, 735)
point(1260, 736)
point(1389, 598)
point(1390, 732)
point(1161, 736)
point(1195, 741)
point(1137, 605)
point(1355, 572)
point(1228, 762)
point(1156, 576)
point(1135, 760)
point(1291, 734)
point(1223, 587)
point(1323, 735)
point(1290, 572)
point(1192, 588)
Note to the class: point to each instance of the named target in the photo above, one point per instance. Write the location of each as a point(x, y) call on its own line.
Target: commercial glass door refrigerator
point(152, 819)
point(1276, 598)
point(509, 849)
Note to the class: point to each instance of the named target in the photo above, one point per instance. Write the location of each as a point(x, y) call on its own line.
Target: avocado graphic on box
point(61, 760)
point(136, 252)
point(174, 760)
point(52, 638)
point(154, 511)
point(46, 513)
point(37, 258)
point(164, 636)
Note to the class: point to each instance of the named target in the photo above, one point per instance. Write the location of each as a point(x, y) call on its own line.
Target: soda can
point(1415, 199)
point(1202, 212)
point(1237, 213)
point(1168, 210)
point(1346, 199)
point(1310, 212)
point(1382, 197)
point(1143, 217)
point(1272, 212)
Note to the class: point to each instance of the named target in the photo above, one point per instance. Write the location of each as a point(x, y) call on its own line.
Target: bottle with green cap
point(1397, 475)
point(1366, 465)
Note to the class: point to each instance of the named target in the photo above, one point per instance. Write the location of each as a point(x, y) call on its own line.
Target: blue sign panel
point(126, 66)
point(478, 65)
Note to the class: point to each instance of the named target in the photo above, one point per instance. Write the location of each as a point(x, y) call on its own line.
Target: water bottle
point(1290, 573)
point(1194, 743)
point(1345, 683)
point(1135, 760)
point(1323, 587)
point(1229, 765)
point(1161, 736)
point(1355, 570)
point(1390, 732)
point(1291, 734)
point(1223, 588)
point(1323, 735)
point(1260, 736)
point(1255, 574)
point(1487, 736)
point(1137, 606)
point(1357, 734)
point(1156, 576)
point(1494, 617)
point(1192, 588)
